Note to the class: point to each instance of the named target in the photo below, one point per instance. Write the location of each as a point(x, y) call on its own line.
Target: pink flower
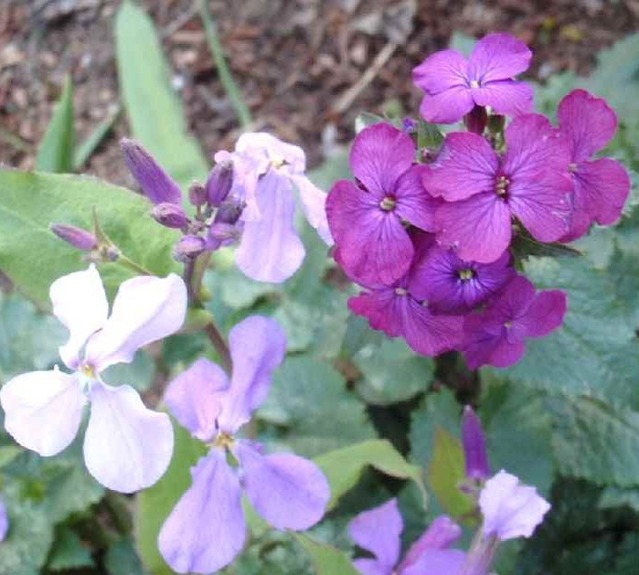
point(454, 84)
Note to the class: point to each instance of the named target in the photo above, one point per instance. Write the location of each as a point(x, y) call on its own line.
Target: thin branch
point(215, 337)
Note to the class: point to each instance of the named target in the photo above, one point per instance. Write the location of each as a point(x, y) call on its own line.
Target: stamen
point(501, 186)
point(474, 84)
point(400, 291)
point(387, 204)
point(466, 274)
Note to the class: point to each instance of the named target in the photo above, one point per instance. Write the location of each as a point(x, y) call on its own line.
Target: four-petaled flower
point(206, 529)
point(127, 447)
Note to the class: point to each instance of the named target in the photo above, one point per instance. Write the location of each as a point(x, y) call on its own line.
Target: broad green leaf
point(446, 473)
point(306, 398)
point(32, 257)
point(69, 552)
point(155, 503)
point(612, 497)
point(327, 560)
point(594, 441)
point(55, 152)
point(121, 559)
point(154, 111)
point(343, 467)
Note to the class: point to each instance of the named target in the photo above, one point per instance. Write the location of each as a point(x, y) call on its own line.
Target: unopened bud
point(219, 183)
point(156, 184)
point(169, 215)
point(77, 237)
point(188, 247)
point(409, 126)
point(229, 212)
point(197, 194)
point(474, 445)
point(476, 120)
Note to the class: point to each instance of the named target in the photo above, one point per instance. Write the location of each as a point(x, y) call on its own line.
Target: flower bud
point(156, 184)
point(197, 194)
point(169, 215)
point(219, 183)
point(188, 247)
point(476, 120)
point(474, 445)
point(77, 237)
point(229, 212)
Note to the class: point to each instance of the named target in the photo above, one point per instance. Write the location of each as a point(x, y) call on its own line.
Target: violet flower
point(127, 447)
point(367, 217)
point(496, 336)
point(265, 171)
point(484, 191)
point(601, 186)
point(454, 85)
point(474, 444)
point(4, 521)
point(207, 529)
point(378, 531)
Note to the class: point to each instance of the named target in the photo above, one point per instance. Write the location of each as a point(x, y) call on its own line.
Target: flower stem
point(220, 345)
point(131, 265)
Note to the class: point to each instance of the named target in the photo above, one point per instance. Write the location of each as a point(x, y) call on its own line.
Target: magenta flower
point(397, 311)
point(127, 447)
point(367, 217)
point(454, 85)
point(378, 531)
point(601, 186)
point(483, 192)
point(497, 335)
point(265, 171)
point(207, 529)
point(451, 285)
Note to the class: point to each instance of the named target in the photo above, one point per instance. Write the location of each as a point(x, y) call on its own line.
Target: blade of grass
point(84, 151)
point(230, 87)
point(55, 152)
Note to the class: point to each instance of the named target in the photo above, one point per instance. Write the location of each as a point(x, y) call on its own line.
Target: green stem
point(230, 87)
point(133, 266)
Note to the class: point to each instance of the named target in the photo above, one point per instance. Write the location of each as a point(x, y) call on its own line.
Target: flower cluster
point(508, 509)
point(430, 235)
point(247, 198)
point(207, 529)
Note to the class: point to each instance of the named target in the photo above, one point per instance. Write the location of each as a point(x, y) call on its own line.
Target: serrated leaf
point(69, 552)
point(155, 503)
point(154, 111)
point(55, 152)
point(343, 467)
point(32, 257)
point(327, 560)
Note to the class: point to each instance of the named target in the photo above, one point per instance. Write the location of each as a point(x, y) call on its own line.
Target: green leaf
point(153, 109)
point(306, 395)
point(55, 153)
point(69, 552)
point(155, 503)
point(121, 559)
point(327, 560)
point(594, 441)
point(343, 467)
point(32, 257)
point(612, 497)
point(462, 43)
point(85, 150)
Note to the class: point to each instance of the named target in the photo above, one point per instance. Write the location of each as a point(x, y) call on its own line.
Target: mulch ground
point(306, 67)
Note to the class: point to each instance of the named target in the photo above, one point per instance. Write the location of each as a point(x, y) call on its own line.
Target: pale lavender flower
point(206, 528)
point(265, 170)
point(127, 447)
point(378, 531)
point(4, 521)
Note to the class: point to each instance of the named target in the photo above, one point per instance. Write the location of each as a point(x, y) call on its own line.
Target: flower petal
point(505, 97)
point(441, 533)
point(380, 155)
point(314, 205)
point(447, 107)
point(194, 397)
point(545, 314)
point(498, 56)
point(145, 309)
point(80, 303)
point(382, 309)
point(437, 562)
point(43, 410)
point(483, 216)
point(465, 165)
point(270, 249)
point(4, 521)
point(378, 531)
point(206, 529)
point(441, 71)
point(290, 492)
point(127, 447)
point(258, 346)
point(371, 567)
point(414, 203)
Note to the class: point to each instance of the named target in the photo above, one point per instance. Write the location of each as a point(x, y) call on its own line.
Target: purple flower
point(474, 444)
point(601, 186)
point(4, 521)
point(378, 531)
point(452, 285)
point(265, 170)
point(483, 191)
point(77, 237)
point(454, 84)
point(127, 447)
point(206, 529)
point(397, 311)
point(509, 508)
point(367, 216)
point(496, 336)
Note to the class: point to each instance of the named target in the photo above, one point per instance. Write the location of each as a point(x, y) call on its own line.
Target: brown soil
point(296, 61)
